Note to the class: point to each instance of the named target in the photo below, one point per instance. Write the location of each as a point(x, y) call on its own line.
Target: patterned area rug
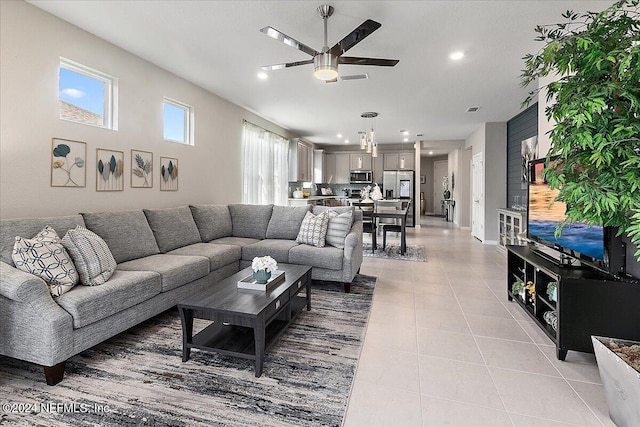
point(392, 251)
point(140, 376)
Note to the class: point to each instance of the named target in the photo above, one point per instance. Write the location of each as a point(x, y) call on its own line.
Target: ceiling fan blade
point(273, 33)
point(287, 65)
point(367, 61)
point(355, 37)
point(354, 77)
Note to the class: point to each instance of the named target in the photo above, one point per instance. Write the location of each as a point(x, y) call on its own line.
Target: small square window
point(87, 96)
point(178, 122)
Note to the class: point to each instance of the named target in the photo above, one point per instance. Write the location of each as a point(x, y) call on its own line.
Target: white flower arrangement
point(264, 263)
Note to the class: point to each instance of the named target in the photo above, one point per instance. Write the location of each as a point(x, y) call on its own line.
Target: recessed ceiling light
point(346, 141)
point(430, 153)
point(406, 140)
point(405, 132)
point(456, 55)
point(262, 75)
point(339, 135)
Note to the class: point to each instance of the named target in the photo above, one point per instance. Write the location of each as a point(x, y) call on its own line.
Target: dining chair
point(395, 228)
point(368, 221)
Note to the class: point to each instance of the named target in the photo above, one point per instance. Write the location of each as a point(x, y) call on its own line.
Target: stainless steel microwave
point(361, 177)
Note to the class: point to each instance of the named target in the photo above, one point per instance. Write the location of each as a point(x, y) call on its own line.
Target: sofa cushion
point(277, 249)
point(337, 209)
point(45, 257)
point(313, 230)
point(285, 222)
point(88, 304)
point(338, 228)
point(91, 256)
point(11, 228)
point(173, 228)
point(328, 257)
point(213, 221)
point(127, 233)
point(175, 270)
point(219, 255)
point(237, 241)
point(250, 220)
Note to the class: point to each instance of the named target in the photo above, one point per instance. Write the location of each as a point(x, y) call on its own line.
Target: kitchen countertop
point(319, 197)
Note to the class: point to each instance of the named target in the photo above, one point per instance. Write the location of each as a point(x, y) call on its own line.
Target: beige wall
point(31, 43)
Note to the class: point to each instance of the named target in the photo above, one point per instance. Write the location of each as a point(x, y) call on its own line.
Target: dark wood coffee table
point(245, 322)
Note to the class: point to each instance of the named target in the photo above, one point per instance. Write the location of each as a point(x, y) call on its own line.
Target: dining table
point(380, 211)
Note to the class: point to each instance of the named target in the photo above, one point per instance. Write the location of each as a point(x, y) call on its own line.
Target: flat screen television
point(578, 240)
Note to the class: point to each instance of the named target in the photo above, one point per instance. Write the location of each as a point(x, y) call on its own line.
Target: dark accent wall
point(522, 126)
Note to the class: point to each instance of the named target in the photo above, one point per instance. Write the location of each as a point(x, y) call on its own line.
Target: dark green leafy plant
point(595, 104)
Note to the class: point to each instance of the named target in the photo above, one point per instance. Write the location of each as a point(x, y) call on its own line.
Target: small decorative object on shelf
point(262, 268)
point(551, 318)
point(518, 289)
point(366, 192)
point(552, 291)
point(531, 290)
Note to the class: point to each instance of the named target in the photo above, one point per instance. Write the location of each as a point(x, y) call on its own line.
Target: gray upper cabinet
point(409, 162)
point(378, 169)
point(342, 168)
point(360, 161)
point(300, 161)
point(329, 168)
point(318, 166)
point(390, 161)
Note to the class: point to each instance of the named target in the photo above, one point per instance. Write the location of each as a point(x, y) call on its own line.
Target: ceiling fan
point(326, 62)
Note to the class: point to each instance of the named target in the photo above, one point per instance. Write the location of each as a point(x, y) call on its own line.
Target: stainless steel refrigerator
point(401, 185)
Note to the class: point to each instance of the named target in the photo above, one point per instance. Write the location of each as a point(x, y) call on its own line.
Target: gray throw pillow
point(127, 233)
point(213, 221)
point(173, 228)
point(338, 228)
point(250, 220)
point(313, 229)
point(45, 257)
point(91, 255)
point(285, 221)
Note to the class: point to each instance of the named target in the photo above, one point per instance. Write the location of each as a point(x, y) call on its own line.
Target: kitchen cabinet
point(391, 161)
point(408, 163)
point(394, 161)
point(318, 166)
point(329, 168)
point(342, 168)
point(378, 169)
point(360, 161)
point(300, 161)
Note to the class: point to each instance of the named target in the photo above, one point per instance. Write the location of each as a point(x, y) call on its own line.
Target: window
point(87, 96)
point(265, 169)
point(178, 121)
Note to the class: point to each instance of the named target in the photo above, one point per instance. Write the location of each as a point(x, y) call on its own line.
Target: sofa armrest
point(353, 241)
point(20, 286)
point(33, 326)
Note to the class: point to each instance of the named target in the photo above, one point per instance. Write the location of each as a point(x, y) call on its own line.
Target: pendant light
point(371, 145)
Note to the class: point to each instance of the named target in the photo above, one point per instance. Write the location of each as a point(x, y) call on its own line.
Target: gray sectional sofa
point(163, 256)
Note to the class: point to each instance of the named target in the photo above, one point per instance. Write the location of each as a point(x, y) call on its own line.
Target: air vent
point(472, 109)
point(355, 77)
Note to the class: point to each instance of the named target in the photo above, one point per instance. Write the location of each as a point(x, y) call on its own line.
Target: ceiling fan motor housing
point(325, 66)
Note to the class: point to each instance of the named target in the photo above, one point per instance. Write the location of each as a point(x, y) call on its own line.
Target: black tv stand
point(589, 301)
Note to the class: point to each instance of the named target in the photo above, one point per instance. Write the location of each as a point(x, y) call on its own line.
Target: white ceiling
point(218, 46)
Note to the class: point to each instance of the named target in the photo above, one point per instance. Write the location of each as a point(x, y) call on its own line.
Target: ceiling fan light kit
point(325, 62)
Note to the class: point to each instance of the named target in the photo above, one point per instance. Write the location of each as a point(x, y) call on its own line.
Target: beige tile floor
point(445, 347)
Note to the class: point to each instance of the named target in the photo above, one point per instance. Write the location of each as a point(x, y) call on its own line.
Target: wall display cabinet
point(585, 301)
point(510, 224)
point(300, 161)
point(343, 169)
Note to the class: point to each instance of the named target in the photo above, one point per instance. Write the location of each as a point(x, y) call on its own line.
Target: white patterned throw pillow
point(313, 229)
point(45, 257)
point(92, 256)
point(338, 228)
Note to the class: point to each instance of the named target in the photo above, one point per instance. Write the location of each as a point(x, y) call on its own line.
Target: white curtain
point(265, 171)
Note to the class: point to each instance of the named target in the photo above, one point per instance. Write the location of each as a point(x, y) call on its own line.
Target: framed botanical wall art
point(68, 163)
point(168, 174)
point(109, 170)
point(141, 169)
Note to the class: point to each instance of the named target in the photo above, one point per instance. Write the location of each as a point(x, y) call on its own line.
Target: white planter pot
point(621, 383)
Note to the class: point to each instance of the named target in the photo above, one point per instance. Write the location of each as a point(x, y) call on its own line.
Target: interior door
point(440, 170)
point(477, 194)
